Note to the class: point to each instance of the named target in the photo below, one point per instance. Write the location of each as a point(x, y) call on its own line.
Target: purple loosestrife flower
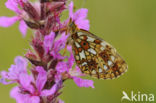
point(29, 90)
point(8, 21)
point(54, 46)
point(49, 67)
point(15, 71)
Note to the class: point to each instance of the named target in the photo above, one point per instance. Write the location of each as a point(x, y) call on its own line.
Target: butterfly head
point(72, 27)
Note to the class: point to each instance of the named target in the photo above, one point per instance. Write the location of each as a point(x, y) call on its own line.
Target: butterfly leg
point(69, 42)
point(65, 49)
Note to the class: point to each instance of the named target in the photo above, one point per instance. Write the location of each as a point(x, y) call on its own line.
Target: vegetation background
point(129, 25)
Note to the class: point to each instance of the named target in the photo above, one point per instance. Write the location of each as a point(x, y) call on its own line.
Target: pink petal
point(82, 24)
point(60, 101)
point(58, 77)
point(25, 81)
point(21, 63)
point(23, 28)
point(58, 45)
point(79, 71)
point(13, 73)
point(8, 21)
point(71, 58)
point(49, 92)
point(41, 78)
point(80, 14)
point(19, 67)
point(71, 9)
point(69, 48)
point(79, 17)
point(83, 83)
point(57, 55)
point(36, 5)
point(15, 93)
point(23, 98)
point(15, 70)
point(32, 99)
point(3, 81)
point(62, 67)
point(12, 5)
point(48, 41)
point(66, 66)
point(76, 72)
point(4, 74)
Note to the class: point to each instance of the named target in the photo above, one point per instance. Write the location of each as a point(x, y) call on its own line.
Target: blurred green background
point(129, 25)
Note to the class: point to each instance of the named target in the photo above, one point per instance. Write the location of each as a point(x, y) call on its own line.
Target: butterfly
point(94, 56)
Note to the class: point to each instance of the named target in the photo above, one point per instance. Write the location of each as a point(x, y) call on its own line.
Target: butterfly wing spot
point(78, 62)
point(80, 49)
point(115, 67)
point(112, 75)
point(84, 63)
point(77, 57)
point(78, 40)
point(75, 50)
point(87, 53)
point(103, 44)
point(92, 63)
point(97, 41)
point(89, 57)
point(100, 70)
point(83, 37)
point(77, 45)
point(102, 48)
point(112, 58)
point(105, 55)
point(93, 72)
point(80, 33)
point(82, 55)
point(85, 70)
point(97, 48)
point(92, 51)
point(105, 67)
point(90, 39)
point(110, 63)
point(84, 45)
point(92, 46)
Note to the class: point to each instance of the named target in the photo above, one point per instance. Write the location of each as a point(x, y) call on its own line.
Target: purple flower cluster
point(43, 80)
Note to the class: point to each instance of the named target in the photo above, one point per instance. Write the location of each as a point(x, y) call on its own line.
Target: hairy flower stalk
point(49, 68)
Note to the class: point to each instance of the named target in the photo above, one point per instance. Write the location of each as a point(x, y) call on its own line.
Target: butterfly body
point(94, 56)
